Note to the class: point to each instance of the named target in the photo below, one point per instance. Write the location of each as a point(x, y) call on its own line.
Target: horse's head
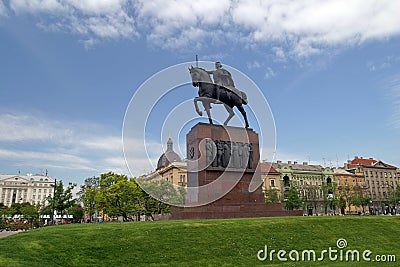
point(199, 75)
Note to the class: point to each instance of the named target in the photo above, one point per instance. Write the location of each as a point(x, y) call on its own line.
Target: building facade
point(175, 173)
point(348, 184)
point(270, 177)
point(381, 180)
point(313, 183)
point(25, 188)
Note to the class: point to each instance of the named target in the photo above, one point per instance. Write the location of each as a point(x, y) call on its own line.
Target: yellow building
point(270, 177)
point(170, 167)
point(175, 173)
point(349, 183)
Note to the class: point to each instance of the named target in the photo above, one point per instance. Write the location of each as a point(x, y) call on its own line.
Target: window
point(272, 182)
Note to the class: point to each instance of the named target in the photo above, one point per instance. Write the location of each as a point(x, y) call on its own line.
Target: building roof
point(266, 167)
point(342, 172)
point(362, 161)
point(169, 155)
point(370, 162)
point(29, 177)
point(295, 166)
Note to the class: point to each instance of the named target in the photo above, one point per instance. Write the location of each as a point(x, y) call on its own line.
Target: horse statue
point(211, 93)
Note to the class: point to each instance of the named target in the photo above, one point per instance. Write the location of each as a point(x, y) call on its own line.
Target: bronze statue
point(222, 91)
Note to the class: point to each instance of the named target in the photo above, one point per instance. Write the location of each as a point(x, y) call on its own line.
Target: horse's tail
point(243, 96)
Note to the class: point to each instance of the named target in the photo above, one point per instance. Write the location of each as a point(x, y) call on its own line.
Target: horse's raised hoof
point(200, 113)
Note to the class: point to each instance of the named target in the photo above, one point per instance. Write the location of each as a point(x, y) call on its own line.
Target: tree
point(87, 195)
point(165, 192)
point(77, 212)
point(271, 196)
point(292, 199)
point(118, 196)
point(62, 199)
point(342, 204)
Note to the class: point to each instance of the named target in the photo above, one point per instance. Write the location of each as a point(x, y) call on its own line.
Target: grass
point(231, 242)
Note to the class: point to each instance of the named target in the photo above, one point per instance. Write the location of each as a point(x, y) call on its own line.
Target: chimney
point(295, 162)
point(355, 157)
point(371, 158)
point(279, 161)
point(305, 163)
point(289, 162)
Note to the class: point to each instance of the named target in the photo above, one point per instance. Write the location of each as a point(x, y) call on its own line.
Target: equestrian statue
point(221, 91)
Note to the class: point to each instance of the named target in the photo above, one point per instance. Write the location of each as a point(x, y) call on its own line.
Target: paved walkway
point(7, 233)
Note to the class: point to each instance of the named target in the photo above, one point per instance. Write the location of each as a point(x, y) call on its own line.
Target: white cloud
point(25, 127)
point(3, 10)
point(269, 73)
point(303, 28)
point(106, 19)
point(38, 141)
point(254, 65)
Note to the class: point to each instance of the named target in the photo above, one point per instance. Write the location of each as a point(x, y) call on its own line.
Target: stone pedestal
point(224, 180)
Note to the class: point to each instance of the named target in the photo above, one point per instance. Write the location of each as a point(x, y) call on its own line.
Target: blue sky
point(330, 71)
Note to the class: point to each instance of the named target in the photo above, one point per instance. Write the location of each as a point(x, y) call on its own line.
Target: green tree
point(87, 195)
point(342, 204)
point(165, 192)
point(62, 199)
point(271, 196)
point(77, 212)
point(29, 211)
point(292, 199)
point(118, 196)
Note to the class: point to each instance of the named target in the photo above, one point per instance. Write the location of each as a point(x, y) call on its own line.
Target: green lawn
point(233, 242)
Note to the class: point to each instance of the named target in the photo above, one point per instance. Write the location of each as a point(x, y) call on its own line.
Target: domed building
point(169, 156)
point(170, 167)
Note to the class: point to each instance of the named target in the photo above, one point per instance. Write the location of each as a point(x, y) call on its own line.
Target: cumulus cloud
point(304, 27)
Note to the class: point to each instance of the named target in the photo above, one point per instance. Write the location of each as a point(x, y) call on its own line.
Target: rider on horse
point(223, 79)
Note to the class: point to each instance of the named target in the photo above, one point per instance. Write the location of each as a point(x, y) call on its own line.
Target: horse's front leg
point(197, 107)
